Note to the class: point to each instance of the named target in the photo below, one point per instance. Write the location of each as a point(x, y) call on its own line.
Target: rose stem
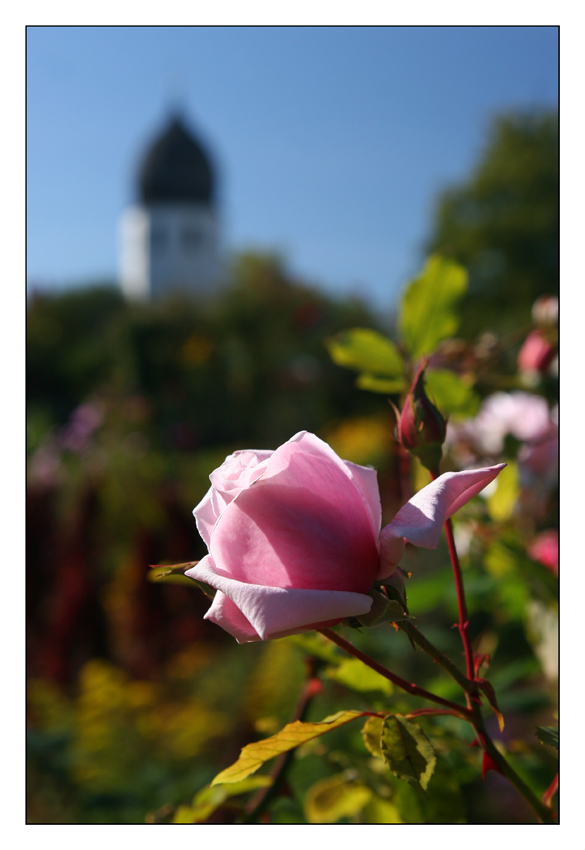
point(473, 702)
point(410, 688)
point(437, 655)
point(259, 801)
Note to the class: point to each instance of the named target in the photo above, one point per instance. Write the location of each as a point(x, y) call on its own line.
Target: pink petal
point(206, 516)
point(225, 613)
point(272, 611)
point(367, 481)
point(303, 524)
point(420, 520)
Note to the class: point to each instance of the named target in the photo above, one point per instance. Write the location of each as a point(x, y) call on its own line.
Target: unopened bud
point(421, 427)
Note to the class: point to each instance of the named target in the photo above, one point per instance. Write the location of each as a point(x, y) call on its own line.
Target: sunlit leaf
point(355, 675)
point(428, 311)
point(407, 751)
point(386, 386)
point(502, 502)
point(254, 755)
point(379, 810)
point(452, 394)
point(335, 797)
point(548, 735)
point(366, 350)
point(372, 733)
point(209, 799)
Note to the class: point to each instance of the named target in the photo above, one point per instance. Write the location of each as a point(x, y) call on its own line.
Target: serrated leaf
point(407, 751)
point(293, 735)
point(335, 797)
point(487, 688)
point(503, 500)
point(452, 394)
point(548, 735)
point(355, 675)
point(372, 733)
point(387, 386)
point(366, 350)
point(428, 310)
point(206, 801)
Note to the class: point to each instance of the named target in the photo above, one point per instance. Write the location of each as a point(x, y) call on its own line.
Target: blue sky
point(332, 142)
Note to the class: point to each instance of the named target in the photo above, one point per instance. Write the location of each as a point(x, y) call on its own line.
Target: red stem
point(463, 624)
point(409, 687)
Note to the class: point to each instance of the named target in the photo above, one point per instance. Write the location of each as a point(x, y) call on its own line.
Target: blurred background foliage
point(134, 701)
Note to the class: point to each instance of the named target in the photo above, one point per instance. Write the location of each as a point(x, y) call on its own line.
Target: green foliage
point(336, 797)
point(407, 751)
point(502, 223)
point(502, 501)
point(453, 394)
point(356, 676)
point(548, 735)
point(375, 357)
point(428, 311)
point(206, 801)
point(293, 735)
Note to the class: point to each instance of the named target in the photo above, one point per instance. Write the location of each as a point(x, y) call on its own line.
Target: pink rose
point(545, 548)
point(294, 536)
point(536, 353)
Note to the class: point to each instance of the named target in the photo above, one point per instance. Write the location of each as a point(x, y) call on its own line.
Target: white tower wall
point(166, 247)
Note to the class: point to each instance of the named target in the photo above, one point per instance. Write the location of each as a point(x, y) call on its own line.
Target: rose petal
point(420, 520)
point(225, 613)
point(304, 524)
point(205, 516)
point(367, 481)
point(272, 611)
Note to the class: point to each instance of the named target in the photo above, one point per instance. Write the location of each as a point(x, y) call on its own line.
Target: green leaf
point(428, 311)
point(365, 350)
point(293, 735)
point(206, 801)
point(379, 810)
point(386, 386)
point(548, 735)
point(334, 798)
point(355, 675)
point(372, 734)
point(453, 395)
point(502, 502)
point(407, 751)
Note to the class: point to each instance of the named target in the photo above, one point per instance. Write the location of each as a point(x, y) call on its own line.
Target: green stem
point(409, 687)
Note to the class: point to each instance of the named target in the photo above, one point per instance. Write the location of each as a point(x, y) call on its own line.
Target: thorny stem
point(409, 687)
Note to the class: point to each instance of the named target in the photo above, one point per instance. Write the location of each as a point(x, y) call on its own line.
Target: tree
point(503, 223)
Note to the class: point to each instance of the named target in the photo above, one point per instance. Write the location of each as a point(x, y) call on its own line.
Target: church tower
point(169, 240)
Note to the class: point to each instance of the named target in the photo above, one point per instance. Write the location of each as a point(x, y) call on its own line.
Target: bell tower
point(169, 239)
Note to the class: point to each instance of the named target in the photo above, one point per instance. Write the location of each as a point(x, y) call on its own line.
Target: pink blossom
point(294, 536)
point(545, 549)
point(536, 353)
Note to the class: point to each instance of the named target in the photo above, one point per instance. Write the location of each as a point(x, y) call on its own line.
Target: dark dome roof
point(176, 168)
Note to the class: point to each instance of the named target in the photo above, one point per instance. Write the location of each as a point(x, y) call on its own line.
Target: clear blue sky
point(332, 142)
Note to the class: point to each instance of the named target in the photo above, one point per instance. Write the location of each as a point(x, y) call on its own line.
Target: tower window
point(190, 239)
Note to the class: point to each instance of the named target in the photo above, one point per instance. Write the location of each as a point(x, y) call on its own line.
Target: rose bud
point(294, 536)
point(421, 427)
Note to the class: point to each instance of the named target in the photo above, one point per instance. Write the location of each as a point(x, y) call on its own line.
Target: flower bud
point(421, 427)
